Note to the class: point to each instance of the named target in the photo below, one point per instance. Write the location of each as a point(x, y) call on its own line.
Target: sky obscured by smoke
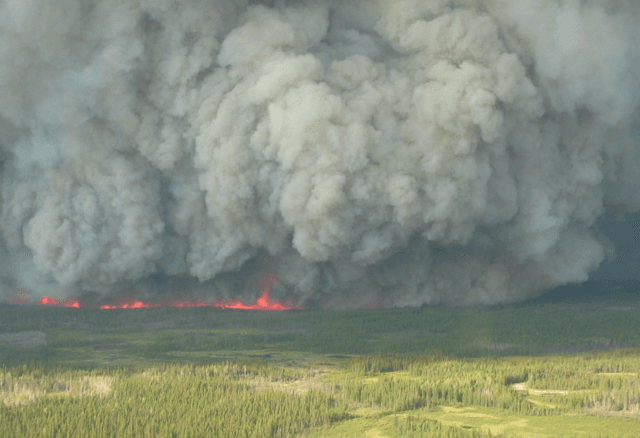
point(397, 152)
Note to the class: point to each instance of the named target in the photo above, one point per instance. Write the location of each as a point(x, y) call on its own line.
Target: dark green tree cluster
point(250, 399)
point(591, 384)
point(174, 401)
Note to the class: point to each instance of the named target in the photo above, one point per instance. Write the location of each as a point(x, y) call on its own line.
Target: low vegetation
point(379, 395)
point(541, 370)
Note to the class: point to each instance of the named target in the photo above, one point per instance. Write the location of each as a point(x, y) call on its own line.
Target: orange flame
point(69, 302)
point(20, 299)
point(264, 302)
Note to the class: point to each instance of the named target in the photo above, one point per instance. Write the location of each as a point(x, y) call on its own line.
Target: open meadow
point(532, 370)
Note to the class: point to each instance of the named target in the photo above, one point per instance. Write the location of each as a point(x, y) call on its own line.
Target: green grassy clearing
point(500, 422)
point(379, 424)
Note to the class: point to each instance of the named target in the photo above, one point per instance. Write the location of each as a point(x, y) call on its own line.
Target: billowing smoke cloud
point(399, 152)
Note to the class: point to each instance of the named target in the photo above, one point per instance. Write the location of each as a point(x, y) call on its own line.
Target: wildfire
point(20, 298)
point(69, 302)
point(264, 302)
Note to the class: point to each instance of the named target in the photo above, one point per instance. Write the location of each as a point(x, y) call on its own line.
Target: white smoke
point(393, 151)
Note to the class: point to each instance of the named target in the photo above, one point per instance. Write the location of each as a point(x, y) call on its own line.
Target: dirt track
point(521, 387)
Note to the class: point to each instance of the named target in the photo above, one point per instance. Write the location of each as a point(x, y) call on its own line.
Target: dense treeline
point(171, 401)
point(252, 399)
point(603, 382)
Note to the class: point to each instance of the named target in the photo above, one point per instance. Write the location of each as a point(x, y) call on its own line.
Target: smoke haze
point(395, 152)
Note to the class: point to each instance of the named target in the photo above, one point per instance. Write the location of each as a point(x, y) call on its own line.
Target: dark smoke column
point(395, 152)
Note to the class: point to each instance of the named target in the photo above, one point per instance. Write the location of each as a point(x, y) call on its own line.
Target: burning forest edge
point(264, 302)
point(509, 330)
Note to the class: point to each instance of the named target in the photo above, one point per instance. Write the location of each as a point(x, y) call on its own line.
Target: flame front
point(69, 302)
point(264, 301)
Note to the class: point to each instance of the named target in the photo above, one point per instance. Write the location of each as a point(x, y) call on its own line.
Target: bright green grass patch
point(370, 425)
point(499, 421)
point(373, 423)
point(541, 400)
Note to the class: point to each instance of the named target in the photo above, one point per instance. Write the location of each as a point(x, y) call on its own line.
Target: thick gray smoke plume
point(393, 151)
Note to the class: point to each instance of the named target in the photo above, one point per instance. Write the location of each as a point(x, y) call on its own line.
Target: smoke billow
point(396, 152)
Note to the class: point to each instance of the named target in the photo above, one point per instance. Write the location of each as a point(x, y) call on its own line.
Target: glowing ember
point(132, 305)
point(373, 305)
point(264, 302)
point(20, 299)
point(69, 302)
